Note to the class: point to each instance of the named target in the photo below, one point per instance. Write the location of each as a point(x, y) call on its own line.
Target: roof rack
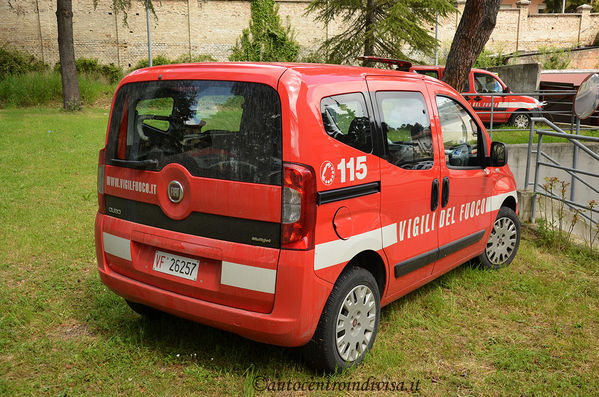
point(400, 65)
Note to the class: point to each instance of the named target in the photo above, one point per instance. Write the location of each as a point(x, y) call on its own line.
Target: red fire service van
point(288, 202)
point(513, 109)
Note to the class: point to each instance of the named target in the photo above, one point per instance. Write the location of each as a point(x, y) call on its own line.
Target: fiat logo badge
point(175, 192)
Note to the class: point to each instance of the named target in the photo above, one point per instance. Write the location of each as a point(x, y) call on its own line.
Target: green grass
point(529, 329)
point(44, 88)
point(510, 137)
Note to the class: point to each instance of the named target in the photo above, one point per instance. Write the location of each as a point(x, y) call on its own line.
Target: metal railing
point(558, 108)
point(544, 160)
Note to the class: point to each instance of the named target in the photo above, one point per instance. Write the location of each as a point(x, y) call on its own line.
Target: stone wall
point(212, 26)
point(580, 58)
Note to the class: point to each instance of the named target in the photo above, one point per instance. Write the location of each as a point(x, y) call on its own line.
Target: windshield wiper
point(137, 164)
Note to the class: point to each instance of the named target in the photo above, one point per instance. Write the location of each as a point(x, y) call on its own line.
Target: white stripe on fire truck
point(117, 246)
point(248, 277)
point(494, 202)
point(339, 251)
point(507, 105)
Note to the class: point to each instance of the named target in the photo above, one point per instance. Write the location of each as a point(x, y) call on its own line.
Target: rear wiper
point(137, 164)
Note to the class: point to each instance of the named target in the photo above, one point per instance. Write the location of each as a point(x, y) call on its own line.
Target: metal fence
point(545, 160)
point(557, 108)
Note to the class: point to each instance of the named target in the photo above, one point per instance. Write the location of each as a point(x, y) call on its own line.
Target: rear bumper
point(298, 300)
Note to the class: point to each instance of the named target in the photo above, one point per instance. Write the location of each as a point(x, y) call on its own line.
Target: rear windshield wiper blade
point(137, 164)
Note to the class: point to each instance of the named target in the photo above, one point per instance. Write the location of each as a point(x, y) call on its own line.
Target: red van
point(288, 202)
point(513, 109)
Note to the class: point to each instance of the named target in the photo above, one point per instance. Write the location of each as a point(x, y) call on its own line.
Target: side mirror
point(507, 90)
point(498, 154)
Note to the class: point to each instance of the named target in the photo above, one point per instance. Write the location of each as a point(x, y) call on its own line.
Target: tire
point(339, 344)
point(503, 242)
point(520, 120)
point(143, 310)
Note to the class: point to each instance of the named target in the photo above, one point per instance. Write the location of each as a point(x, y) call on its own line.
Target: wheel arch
point(373, 263)
point(511, 203)
point(518, 111)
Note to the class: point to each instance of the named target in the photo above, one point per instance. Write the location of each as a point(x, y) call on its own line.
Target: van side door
point(410, 180)
point(466, 185)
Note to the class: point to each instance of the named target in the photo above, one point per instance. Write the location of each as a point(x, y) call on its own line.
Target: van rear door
point(193, 180)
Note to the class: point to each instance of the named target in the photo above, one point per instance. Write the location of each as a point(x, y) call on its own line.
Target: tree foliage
point(555, 6)
point(266, 39)
point(386, 28)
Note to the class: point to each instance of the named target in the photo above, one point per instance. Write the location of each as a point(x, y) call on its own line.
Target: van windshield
point(215, 129)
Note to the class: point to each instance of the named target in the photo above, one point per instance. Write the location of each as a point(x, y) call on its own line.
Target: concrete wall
point(212, 27)
point(561, 152)
point(520, 78)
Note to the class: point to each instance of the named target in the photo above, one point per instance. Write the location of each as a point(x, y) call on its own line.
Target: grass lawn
point(529, 329)
point(501, 133)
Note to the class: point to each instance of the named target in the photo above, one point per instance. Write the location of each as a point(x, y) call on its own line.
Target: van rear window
point(215, 129)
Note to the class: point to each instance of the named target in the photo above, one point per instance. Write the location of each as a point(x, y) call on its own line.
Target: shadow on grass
point(171, 339)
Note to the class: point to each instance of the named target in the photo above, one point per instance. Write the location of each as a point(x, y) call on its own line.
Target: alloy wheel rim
point(521, 121)
point(355, 323)
point(502, 241)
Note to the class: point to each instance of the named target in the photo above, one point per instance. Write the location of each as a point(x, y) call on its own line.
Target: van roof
point(442, 67)
point(267, 73)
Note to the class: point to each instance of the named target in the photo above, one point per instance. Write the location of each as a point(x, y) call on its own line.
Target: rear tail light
point(101, 180)
point(298, 210)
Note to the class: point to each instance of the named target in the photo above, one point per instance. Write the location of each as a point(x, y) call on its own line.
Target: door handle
point(445, 193)
point(435, 195)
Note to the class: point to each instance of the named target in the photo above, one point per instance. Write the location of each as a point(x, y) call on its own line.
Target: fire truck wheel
point(348, 324)
point(520, 120)
point(503, 242)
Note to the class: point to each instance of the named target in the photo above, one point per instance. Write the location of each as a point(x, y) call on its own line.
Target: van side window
point(407, 129)
point(485, 83)
point(345, 118)
point(461, 135)
point(431, 73)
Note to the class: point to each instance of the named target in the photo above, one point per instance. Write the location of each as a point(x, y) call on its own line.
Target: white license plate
point(176, 265)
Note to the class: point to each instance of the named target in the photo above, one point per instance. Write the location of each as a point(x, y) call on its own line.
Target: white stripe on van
point(117, 246)
point(248, 277)
point(494, 202)
point(338, 251)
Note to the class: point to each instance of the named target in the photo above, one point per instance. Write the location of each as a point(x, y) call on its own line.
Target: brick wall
point(212, 27)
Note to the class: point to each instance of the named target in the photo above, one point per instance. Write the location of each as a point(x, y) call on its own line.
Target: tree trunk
point(66, 50)
point(369, 38)
point(474, 30)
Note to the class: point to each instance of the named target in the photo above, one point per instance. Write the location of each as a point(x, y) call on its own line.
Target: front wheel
point(520, 120)
point(503, 242)
point(348, 324)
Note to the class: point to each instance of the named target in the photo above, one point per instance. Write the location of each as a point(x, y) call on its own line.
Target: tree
point(66, 51)
point(475, 28)
point(385, 28)
point(266, 39)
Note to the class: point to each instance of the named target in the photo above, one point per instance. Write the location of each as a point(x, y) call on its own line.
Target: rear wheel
point(503, 242)
point(348, 324)
point(520, 120)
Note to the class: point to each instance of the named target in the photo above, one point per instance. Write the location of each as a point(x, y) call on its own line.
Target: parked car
point(288, 203)
point(513, 109)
